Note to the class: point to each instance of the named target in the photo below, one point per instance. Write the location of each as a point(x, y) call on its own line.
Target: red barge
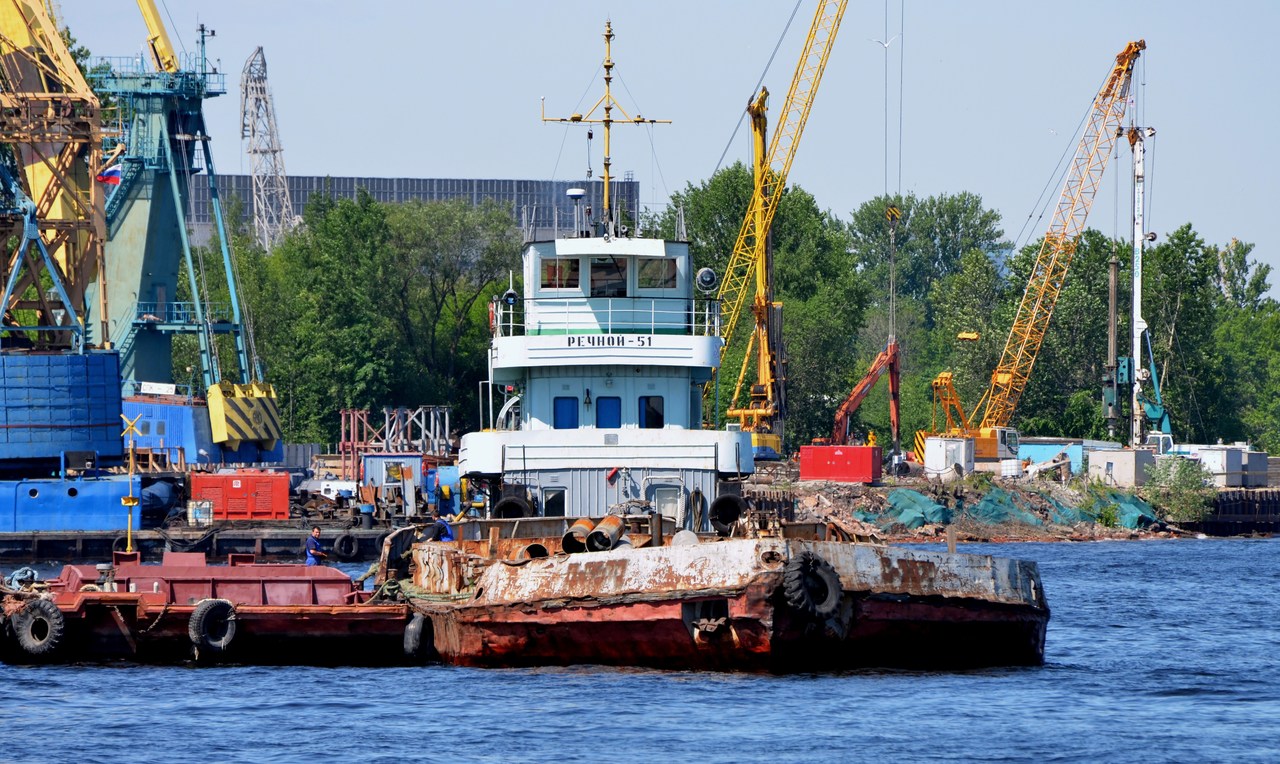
point(186, 609)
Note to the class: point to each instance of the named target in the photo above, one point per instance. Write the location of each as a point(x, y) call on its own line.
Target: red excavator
point(835, 459)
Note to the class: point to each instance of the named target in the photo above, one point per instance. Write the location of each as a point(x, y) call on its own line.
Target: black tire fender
point(346, 547)
point(39, 627)
point(212, 625)
point(811, 585)
point(417, 627)
point(512, 507)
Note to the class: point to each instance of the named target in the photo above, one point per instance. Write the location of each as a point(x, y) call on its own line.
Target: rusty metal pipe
point(575, 539)
point(532, 551)
point(605, 534)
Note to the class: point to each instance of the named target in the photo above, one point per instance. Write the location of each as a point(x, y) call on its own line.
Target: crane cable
point(743, 116)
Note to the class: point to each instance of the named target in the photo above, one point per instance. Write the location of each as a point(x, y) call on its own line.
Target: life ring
point(213, 625)
point(413, 633)
point(811, 585)
point(39, 627)
point(346, 547)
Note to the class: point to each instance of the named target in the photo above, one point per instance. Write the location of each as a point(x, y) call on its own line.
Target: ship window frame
point(556, 410)
point(670, 280)
point(647, 413)
point(608, 401)
point(572, 283)
point(616, 267)
point(552, 494)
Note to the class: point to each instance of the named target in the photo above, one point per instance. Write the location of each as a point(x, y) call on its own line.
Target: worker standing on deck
point(441, 530)
point(314, 552)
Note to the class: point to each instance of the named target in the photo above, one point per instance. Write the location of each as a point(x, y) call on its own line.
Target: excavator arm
point(885, 361)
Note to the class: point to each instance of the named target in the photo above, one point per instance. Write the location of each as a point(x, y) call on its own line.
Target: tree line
point(370, 304)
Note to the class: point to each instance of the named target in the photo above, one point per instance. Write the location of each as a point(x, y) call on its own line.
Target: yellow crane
point(51, 119)
point(750, 260)
point(994, 438)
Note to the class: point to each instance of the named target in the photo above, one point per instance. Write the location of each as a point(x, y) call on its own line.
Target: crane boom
point(748, 261)
point(162, 54)
point(749, 249)
point(1049, 272)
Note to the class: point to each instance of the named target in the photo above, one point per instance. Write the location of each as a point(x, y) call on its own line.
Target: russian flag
point(110, 176)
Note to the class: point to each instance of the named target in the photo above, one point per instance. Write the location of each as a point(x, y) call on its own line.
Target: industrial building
point(541, 204)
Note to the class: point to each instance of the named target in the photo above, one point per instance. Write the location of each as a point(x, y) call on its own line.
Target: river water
point(1157, 651)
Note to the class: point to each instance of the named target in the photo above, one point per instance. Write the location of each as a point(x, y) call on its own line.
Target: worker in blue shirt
point(314, 553)
point(441, 530)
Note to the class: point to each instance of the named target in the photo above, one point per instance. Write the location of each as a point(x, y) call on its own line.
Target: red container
point(842, 464)
point(244, 495)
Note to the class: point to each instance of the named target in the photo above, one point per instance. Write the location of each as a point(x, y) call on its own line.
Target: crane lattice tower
point(272, 208)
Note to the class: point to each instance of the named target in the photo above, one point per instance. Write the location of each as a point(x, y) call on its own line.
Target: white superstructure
point(595, 387)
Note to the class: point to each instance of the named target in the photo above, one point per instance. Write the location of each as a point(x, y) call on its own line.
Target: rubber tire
point(512, 507)
point(413, 632)
point(39, 627)
point(811, 585)
point(212, 626)
point(346, 547)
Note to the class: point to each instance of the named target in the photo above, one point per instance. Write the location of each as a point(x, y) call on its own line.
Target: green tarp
point(999, 507)
point(1132, 512)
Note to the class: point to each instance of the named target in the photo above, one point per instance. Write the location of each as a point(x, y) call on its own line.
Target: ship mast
point(609, 103)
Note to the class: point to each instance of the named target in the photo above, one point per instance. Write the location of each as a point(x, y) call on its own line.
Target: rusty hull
point(720, 605)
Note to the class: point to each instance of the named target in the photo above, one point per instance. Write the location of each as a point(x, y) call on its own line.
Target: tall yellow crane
point(994, 438)
point(52, 121)
point(749, 262)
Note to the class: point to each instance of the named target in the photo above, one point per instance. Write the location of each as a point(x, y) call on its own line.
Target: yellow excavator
point(751, 261)
point(994, 437)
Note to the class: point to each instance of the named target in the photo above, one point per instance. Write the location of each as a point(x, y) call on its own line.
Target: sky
point(983, 96)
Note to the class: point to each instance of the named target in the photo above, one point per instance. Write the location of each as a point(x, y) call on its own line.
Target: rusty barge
point(185, 609)
point(799, 599)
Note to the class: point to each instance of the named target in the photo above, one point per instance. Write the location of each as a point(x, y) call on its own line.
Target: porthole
point(33, 493)
point(72, 492)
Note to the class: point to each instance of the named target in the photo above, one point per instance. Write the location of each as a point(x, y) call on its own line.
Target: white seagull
point(882, 43)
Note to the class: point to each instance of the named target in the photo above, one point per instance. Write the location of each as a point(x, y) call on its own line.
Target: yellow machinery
point(994, 438)
point(52, 120)
point(763, 414)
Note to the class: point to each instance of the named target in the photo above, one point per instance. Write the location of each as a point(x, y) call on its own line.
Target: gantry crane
point(994, 438)
point(751, 260)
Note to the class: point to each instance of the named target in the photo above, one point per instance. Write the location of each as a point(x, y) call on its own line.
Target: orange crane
point(994, 437)
point(762, 415)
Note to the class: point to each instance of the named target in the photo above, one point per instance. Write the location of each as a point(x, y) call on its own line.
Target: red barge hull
point(185, 609)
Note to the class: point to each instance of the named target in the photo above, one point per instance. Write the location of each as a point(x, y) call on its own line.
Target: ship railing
point(698, 317)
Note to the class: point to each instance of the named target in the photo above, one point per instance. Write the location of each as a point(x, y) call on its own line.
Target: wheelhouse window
point(656, 273)
point(553, 502)
point(561, 273)
point(608, 277)
point(651, 417)
point(608, 412)
point(565, 413)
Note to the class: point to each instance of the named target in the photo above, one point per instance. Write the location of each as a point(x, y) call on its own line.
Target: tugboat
point(616, 529)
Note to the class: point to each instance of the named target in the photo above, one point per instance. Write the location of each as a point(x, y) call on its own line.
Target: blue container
point(175, 424)
point(68, 505)
point(366, 509)
point(56, 402)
